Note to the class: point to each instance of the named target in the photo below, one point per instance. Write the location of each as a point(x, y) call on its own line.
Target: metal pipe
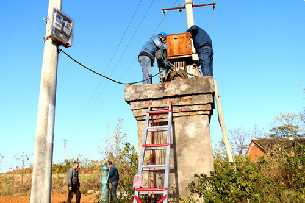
point(105, 184)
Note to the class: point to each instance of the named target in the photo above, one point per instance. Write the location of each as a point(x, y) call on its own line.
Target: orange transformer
point(179, 45)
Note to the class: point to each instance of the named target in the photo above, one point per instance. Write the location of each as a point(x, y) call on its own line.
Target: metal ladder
point(153, 146)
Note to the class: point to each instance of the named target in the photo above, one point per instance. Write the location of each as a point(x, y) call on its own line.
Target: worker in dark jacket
point(113, 179)
point(73, 183)
point(203, 45)
point(147, 55)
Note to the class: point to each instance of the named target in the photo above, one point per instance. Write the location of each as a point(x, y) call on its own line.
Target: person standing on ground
point(147, 55)
point(113, 179)
point(203, 45)
point(73, 183)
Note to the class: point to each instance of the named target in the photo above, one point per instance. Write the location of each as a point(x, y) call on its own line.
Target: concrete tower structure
point(193, 104)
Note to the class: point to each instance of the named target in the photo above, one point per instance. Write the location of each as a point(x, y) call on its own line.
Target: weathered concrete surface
point(179, 87)
point(191, 149)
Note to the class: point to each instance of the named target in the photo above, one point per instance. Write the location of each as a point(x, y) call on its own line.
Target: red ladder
point(155, 146)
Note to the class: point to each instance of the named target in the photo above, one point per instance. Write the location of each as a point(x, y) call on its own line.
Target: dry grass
point(20, 184)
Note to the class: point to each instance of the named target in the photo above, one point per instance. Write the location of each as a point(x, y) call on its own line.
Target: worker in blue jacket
point(147, 55)
point(203, 45)
point(113, 179)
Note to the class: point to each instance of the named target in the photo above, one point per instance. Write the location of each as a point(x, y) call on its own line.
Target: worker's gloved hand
point(69, 188)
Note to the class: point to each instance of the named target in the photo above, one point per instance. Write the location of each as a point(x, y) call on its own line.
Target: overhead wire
point(111, 92)
point(127, 46)
point(95, 92)
point(123, 35)
point(165, 15)
point(104, 76)
point(135, 32)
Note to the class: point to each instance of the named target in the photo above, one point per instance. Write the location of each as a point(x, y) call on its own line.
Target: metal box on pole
point(62, 29)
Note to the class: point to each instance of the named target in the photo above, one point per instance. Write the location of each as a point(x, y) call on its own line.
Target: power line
point(112, 90)
point(123, 55)
point(85, 117)
point(165, 15)
point(97, 87)
point(111, 59)
point(123, 35)
point(133, 36)
point(108, 78)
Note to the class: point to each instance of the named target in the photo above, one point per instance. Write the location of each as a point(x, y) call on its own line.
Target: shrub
point(268, 180)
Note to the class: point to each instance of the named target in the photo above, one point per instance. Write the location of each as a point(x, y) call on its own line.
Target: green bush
point(268, 180)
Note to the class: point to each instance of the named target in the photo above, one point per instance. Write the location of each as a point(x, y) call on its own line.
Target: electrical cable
point(111, 59)
point(164, 18)
point(133, 36)
point(123, 35)
point(108, 78)
point(165, 15)
point(91, 104)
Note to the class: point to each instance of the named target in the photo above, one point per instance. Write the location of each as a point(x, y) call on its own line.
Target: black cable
point(108, 78)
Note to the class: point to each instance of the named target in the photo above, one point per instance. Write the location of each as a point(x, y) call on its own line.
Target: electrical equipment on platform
point(179, 45)
point(62, 29)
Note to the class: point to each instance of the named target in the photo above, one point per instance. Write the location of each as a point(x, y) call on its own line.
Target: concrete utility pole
point(42, 171)
point(189, 13)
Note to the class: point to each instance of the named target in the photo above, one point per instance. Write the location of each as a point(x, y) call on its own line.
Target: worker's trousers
point(206, 60)
point(70, 194)
point(114, 186)
point(145, 63)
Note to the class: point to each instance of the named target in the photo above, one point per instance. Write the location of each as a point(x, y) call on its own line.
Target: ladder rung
point(151, 190)
point(157, 128)
point(159, 112)
point(155, 146)
point(153, 167)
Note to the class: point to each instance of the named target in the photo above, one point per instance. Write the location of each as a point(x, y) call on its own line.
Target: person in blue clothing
point(147, 55)
point(113, 179)
point(203, 45)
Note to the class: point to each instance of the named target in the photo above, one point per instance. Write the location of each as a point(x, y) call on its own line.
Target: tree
point(23, 163)
point(239, 141)
point(124, 157)
point(287, 125)
point(258, 132)
point(302, 118)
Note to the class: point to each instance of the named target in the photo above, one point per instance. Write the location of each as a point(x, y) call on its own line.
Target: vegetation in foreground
point(278, 179)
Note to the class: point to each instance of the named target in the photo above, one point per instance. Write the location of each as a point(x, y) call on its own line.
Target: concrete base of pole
point(193, 104)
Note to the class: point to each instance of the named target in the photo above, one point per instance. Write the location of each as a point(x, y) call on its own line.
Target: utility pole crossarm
point(180, 8)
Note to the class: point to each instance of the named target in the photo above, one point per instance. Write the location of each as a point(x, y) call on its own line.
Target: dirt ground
point(56, 198)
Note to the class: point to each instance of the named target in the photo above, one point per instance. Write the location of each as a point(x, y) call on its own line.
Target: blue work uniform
point(203, 45)
point(113, 179)
point(147, 56)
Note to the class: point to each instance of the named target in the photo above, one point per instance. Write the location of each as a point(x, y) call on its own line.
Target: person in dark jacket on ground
point(113, 179)
point(147, 55)
point(203, 45)
point(73, 183)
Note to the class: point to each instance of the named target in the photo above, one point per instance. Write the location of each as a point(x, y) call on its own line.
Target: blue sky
point(259, 66)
